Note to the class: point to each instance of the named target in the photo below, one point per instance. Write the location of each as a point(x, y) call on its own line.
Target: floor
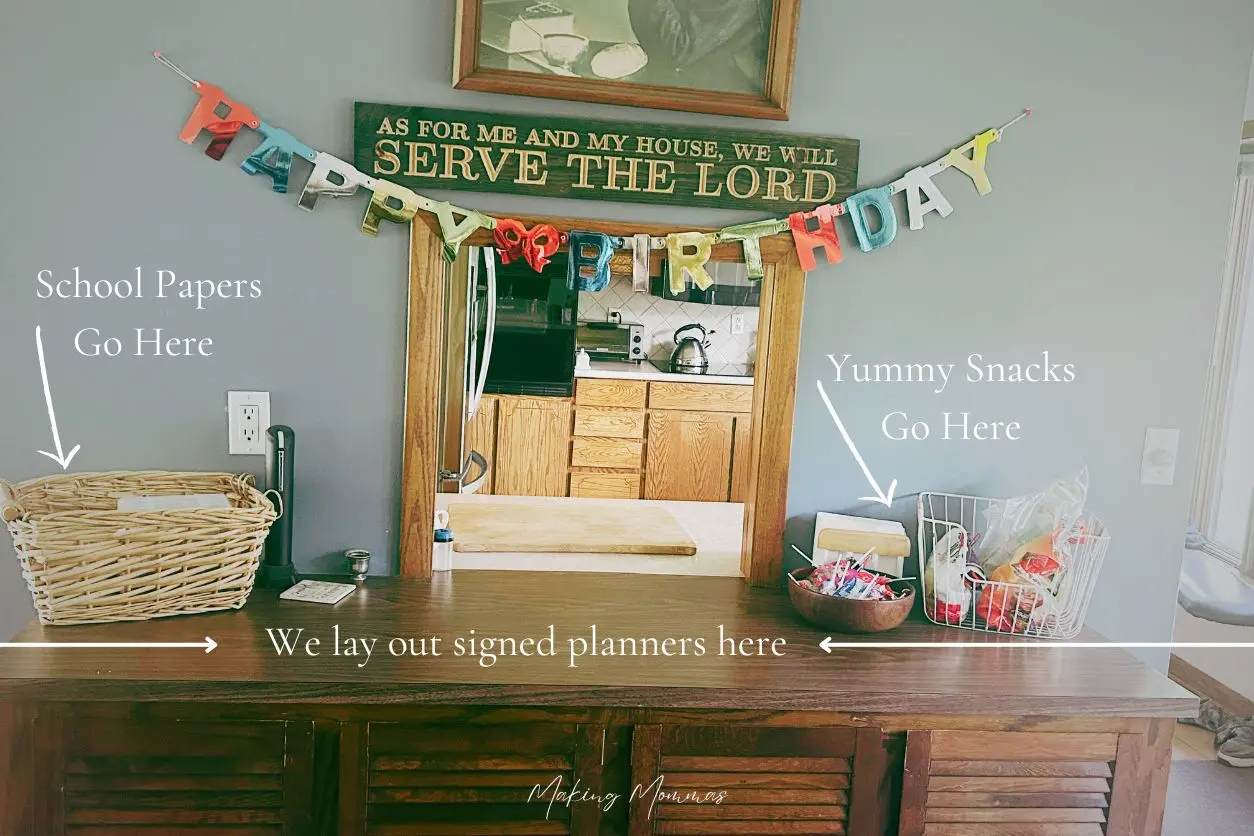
point(1192, 743)
point(1204, 795)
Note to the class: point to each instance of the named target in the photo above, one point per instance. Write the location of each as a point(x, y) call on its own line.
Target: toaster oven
point(622, 341)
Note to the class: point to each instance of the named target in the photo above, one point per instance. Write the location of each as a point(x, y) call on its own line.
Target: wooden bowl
point(846, 615)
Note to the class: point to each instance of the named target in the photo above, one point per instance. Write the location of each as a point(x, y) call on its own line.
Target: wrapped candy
point(846, 578)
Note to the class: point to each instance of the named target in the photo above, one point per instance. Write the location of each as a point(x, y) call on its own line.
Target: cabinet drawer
point(704, 397)
point(610, 392)
point(605, 452)
point(609, 423)
point(597, 485)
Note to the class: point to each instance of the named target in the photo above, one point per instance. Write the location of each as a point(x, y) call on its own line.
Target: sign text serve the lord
point(422, 147)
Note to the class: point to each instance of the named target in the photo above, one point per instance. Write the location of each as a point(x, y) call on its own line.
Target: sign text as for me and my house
point(602, 160)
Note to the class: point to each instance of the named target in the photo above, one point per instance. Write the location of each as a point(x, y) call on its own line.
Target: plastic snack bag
point(946, 588)
point(1015, 524)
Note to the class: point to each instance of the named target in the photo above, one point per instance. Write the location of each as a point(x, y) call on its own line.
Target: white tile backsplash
point(660, 317)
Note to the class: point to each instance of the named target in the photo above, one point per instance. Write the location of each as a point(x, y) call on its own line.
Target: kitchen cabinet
point(721, 779)
point(116, 776)
point(532, 446)
point(619, 439)
point(482, 437)
point(607, 438)
point(742, 459)
point(430, 775)
point(690, 456)
point(660, 440)
point(975, 783)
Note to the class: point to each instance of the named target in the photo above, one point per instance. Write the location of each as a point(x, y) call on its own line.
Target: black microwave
point(533, 343)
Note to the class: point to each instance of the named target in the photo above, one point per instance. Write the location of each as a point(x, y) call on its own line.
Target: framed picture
point(731, 57)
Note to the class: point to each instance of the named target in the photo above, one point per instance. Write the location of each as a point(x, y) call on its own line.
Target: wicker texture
point(87, 562)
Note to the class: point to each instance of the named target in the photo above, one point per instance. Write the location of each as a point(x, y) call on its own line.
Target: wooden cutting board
point(609, 528)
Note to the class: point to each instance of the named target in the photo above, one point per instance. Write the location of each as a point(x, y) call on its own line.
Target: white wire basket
point(1052, 609)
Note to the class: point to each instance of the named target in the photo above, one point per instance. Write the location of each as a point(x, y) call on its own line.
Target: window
point(1223, 506)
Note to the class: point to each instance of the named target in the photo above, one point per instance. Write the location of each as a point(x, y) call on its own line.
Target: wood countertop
point(479, 604)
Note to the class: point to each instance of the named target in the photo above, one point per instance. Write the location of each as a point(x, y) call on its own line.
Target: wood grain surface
point(609, 423)
point(742, 458)
point(601, 484)
point(621, 453)
point(17, 774)
point(420, 463)
point(960, 782)
point(481, 436)
point(532, 444)
point(701, 397)
point(690, 456)
point(774, 401)
point(628, 394)
point(942, 681)
point(603, 528)
point(885, 545)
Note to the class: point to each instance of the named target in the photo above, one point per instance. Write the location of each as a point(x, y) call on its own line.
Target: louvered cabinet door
point(452, 779)
point(120, 778)
point(964, 783)
point(738, 781)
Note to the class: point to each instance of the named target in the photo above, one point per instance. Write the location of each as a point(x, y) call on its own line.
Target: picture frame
point(725, 57)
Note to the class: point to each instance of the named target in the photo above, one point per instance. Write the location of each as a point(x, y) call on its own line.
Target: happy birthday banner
point(589, 252)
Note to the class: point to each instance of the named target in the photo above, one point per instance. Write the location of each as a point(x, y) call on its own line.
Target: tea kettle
point(689, 356)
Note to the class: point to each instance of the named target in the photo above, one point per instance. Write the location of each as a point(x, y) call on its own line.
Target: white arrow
point(880, 496)
point(208, 645)
point(829, 645)
point(60, 458)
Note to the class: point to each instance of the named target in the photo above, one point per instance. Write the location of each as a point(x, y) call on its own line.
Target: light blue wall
point(1102, 242)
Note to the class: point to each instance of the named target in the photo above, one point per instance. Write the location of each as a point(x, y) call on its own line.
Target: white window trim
point(1234, 298)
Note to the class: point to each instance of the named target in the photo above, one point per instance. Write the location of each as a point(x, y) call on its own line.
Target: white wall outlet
point(247, 419)
point(1158, 461)
point(614, 315)
point(738, 323)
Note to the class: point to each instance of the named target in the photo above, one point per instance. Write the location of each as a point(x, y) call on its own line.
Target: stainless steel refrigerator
point(469, 324)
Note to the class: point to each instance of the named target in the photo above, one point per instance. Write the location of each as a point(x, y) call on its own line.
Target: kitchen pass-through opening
point(606, 430)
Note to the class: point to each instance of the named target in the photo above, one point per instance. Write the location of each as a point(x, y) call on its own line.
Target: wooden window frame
point(774, 390)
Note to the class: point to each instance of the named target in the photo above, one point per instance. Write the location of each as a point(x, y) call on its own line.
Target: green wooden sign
point(428, 148)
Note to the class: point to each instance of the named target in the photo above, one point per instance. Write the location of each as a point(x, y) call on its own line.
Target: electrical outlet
point(738, 323)
point(614, 315)
point(247, 418)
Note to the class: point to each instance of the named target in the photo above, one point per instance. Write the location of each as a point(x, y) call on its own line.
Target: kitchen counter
point(648, 371)
point(715, 527)
point(321, 740)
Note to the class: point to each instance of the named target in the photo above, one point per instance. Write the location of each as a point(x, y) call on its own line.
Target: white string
point(175, 67)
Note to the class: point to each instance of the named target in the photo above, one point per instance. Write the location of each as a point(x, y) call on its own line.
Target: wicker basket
point(87, 562)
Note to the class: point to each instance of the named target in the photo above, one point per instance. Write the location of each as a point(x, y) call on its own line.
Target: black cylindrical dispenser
point(277, 571)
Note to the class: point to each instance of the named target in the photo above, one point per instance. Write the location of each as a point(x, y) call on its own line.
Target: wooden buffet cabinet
point(620, 438)
point(766, 734)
